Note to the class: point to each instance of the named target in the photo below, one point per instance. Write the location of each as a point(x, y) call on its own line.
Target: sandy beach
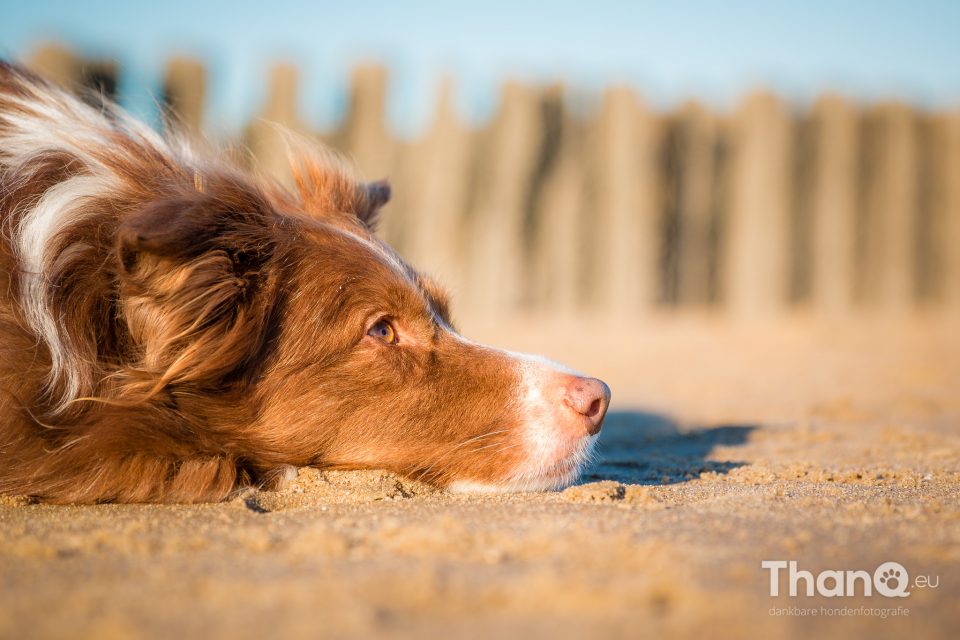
point(836, 446)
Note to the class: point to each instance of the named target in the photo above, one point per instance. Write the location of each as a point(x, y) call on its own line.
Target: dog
point(174, 329)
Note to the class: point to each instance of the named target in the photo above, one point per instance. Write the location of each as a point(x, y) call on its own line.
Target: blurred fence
point(837, 208)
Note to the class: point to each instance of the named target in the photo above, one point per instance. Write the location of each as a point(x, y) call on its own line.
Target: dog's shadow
point(648, 448)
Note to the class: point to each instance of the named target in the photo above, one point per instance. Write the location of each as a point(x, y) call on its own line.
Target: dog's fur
point(172, 329)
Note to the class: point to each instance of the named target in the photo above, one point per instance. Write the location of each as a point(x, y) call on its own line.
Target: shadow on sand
point(647, 448)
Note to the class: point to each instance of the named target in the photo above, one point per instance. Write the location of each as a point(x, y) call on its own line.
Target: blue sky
point(669, 50)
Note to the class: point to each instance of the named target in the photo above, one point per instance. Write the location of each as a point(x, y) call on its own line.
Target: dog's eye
point(383, 330)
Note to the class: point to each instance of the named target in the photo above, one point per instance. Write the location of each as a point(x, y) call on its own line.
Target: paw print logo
point(891, 579)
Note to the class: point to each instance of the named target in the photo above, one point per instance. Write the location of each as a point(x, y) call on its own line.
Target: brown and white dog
point(173, 329)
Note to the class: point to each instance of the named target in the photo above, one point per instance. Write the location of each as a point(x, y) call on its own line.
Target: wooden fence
point(836, 208)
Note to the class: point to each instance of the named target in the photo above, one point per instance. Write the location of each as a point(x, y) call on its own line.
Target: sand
point(834, 445)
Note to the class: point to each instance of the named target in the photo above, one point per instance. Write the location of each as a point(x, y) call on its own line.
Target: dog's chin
point(556, 476)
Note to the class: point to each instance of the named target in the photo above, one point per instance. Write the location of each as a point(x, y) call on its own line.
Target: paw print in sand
point(891, 579)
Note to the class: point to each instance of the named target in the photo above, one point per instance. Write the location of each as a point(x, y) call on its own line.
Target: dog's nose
point(589, 397)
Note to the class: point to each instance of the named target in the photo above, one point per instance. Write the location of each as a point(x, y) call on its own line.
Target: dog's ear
point(222, 214)
point(326, 187)
point(196, 278)
point(374, 196)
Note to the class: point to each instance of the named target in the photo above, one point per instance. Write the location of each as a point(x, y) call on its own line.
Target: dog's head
point(345, 354)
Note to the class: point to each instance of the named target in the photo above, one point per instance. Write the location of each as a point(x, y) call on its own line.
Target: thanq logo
point(890, 579)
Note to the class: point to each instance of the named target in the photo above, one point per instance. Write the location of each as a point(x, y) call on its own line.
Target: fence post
point(496, 227)
point(889, 207)
point(99, 78)
point(366, 138)
point(625, 199)
point(756, 247)
point(184, 96)
point(431, 191)
point(57, 63)
point(694, 224)
point(94, 80)
point(262, 136)
point(947, 206)
point(557, 260)
point(833, 204)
